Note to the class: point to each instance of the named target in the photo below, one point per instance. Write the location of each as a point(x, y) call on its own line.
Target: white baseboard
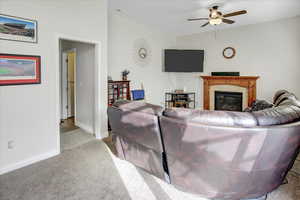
point(84, 127)
point(104, 135)
point(29, 161)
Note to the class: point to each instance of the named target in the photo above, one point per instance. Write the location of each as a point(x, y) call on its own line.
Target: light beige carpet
point(92, 172)
point(74, 138)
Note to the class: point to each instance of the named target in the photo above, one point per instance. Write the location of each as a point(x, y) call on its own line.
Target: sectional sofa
point(215, 154)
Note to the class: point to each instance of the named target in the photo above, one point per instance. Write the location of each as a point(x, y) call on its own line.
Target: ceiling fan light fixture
point(214, 14)
point(216, 21)
point(216, 17)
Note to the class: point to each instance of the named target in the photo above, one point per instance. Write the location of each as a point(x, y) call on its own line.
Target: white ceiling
point(171, 15)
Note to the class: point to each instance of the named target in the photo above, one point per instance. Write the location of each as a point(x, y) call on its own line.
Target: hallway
point(71, 136)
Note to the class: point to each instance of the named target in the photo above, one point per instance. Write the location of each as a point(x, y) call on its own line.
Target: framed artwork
point(18, 29)
point(19, 69)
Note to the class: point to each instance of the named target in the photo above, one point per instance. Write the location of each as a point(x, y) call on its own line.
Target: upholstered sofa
point(216, 154)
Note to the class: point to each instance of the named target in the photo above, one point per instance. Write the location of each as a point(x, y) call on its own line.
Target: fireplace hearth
point(230, 101)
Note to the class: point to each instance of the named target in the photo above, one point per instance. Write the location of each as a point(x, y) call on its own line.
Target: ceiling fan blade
point(196, 19)
point(228, 21)
point(235, 13)
point(205, 24)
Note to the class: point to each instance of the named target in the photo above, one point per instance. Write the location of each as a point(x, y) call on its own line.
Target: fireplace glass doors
point(231, 101)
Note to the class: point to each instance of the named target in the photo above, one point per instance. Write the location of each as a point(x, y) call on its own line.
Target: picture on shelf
point(19, 69)
point(18, 29)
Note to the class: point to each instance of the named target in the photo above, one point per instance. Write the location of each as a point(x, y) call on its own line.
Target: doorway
point(77, 93)
point(71, 65)
point(68, 89)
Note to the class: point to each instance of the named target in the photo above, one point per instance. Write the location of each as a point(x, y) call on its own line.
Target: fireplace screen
point(231, 101)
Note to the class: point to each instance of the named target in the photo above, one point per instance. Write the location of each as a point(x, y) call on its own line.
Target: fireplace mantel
point(248, 82)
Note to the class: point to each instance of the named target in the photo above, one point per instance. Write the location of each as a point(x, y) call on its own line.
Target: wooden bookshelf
point(118, 90)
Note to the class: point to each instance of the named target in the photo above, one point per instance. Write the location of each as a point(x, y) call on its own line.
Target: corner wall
point(28, 113)
point(123, 36)
point(269, 50)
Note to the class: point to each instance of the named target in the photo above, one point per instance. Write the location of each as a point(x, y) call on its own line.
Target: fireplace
point(233, 84)
point(231, 101)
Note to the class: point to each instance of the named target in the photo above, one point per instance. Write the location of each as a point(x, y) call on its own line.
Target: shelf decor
point(19, 69)
point(125, 74)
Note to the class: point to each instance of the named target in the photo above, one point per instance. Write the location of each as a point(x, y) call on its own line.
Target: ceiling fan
point(216, 17)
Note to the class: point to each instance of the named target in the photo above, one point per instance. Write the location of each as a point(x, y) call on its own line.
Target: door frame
point(100, 116)
point(64, 64)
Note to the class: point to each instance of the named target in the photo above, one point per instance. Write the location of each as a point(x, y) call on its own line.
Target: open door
point(71, 84)
point(68, 84)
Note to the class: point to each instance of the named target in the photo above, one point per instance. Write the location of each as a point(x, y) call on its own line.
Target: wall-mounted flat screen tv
point(184, 60)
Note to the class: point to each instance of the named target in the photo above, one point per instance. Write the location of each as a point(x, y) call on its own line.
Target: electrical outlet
point(10, 144)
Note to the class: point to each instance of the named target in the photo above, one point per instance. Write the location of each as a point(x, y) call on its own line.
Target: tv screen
point(184, 60)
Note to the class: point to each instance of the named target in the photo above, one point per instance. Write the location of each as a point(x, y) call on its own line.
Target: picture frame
point(18, 29)
point(19, 69)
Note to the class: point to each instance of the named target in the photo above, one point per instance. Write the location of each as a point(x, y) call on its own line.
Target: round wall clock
point(141, 52)
point(229, 52)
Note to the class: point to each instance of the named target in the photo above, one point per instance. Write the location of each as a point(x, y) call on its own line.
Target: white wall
point(29, 113)
point(85, 80)
point(269, 50)
point(123, 34)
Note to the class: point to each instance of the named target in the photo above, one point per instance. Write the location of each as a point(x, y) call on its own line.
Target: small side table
point(183, 100)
